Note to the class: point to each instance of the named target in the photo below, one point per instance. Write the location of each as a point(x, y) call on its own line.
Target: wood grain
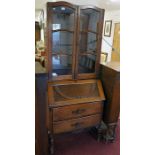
point(76, 124)
point(79, 110)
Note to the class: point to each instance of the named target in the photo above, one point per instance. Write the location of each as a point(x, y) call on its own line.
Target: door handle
point(78, 111)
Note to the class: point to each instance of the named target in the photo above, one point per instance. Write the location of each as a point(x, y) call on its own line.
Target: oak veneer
point(74, 105)
point(74, 102)
point(75, 111)
point(75, 124)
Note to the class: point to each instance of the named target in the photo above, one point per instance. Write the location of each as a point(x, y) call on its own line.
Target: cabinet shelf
point(61, 54)
point(87, 53)
point(63, 45)
point(63, 30)
point(87, 31)
point(74, 39)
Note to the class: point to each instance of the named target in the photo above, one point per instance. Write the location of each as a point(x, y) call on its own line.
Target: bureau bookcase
point(75, 95)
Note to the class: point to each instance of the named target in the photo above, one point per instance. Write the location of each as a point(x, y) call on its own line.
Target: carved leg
point(51, 144)
point(109, 135)
point(99, 134)
point(98, 131)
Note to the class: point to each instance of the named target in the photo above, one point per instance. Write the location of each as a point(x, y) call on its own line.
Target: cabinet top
point(113, 65)
point(49, 4)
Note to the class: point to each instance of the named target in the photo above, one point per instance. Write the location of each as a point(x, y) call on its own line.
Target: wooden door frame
point(98, 46)
point(49, 38)
point(75, 51)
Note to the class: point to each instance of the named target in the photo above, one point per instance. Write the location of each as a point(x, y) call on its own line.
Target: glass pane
point(62, 42)
point(62, 65)
point(89, 19)
point(87, 64)
point(62, 18)
point(67, 92)
point(88, 43)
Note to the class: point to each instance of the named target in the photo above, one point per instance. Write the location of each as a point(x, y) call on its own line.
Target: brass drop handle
point(78, 111)
point(77, 124)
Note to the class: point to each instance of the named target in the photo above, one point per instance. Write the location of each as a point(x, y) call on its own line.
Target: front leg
point(98, 131)
point(51, 143)
point(101, 129)
point(109, 135)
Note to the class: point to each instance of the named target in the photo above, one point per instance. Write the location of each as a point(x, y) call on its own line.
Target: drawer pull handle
point(78, 111)
point(77, 125)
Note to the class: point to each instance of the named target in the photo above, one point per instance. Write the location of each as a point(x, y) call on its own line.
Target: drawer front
point(74, 124)
point(75, 111)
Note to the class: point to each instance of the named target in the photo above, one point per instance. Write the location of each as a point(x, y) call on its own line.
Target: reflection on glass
point(62, 65)
point(67, 92)
point(63, 16)
point(87, 64)
point(88, 43)
point(89, 19)
point(62, 42)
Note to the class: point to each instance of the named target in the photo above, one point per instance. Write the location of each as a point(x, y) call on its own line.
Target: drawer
point(74, 124)
point(75, 111)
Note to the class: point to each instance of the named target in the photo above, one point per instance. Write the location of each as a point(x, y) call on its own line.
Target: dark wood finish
point(73, 103)
point(60, 3)
point(79, 110)
point(100, 31)
point(38, 148)
point(110, 76)
point(88, 75)
point(63, 77)
point(41, 140)
point(75, 124)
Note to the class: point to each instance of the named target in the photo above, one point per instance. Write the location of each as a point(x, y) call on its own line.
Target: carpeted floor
point(85, 144)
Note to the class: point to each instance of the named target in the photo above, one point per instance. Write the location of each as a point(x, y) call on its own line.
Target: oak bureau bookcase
point(75, 95)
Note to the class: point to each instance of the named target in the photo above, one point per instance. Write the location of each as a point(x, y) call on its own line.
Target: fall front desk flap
point(72, 92)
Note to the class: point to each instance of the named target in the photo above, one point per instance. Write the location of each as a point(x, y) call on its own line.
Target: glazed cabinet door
point(61, 24)
point(90, 25)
